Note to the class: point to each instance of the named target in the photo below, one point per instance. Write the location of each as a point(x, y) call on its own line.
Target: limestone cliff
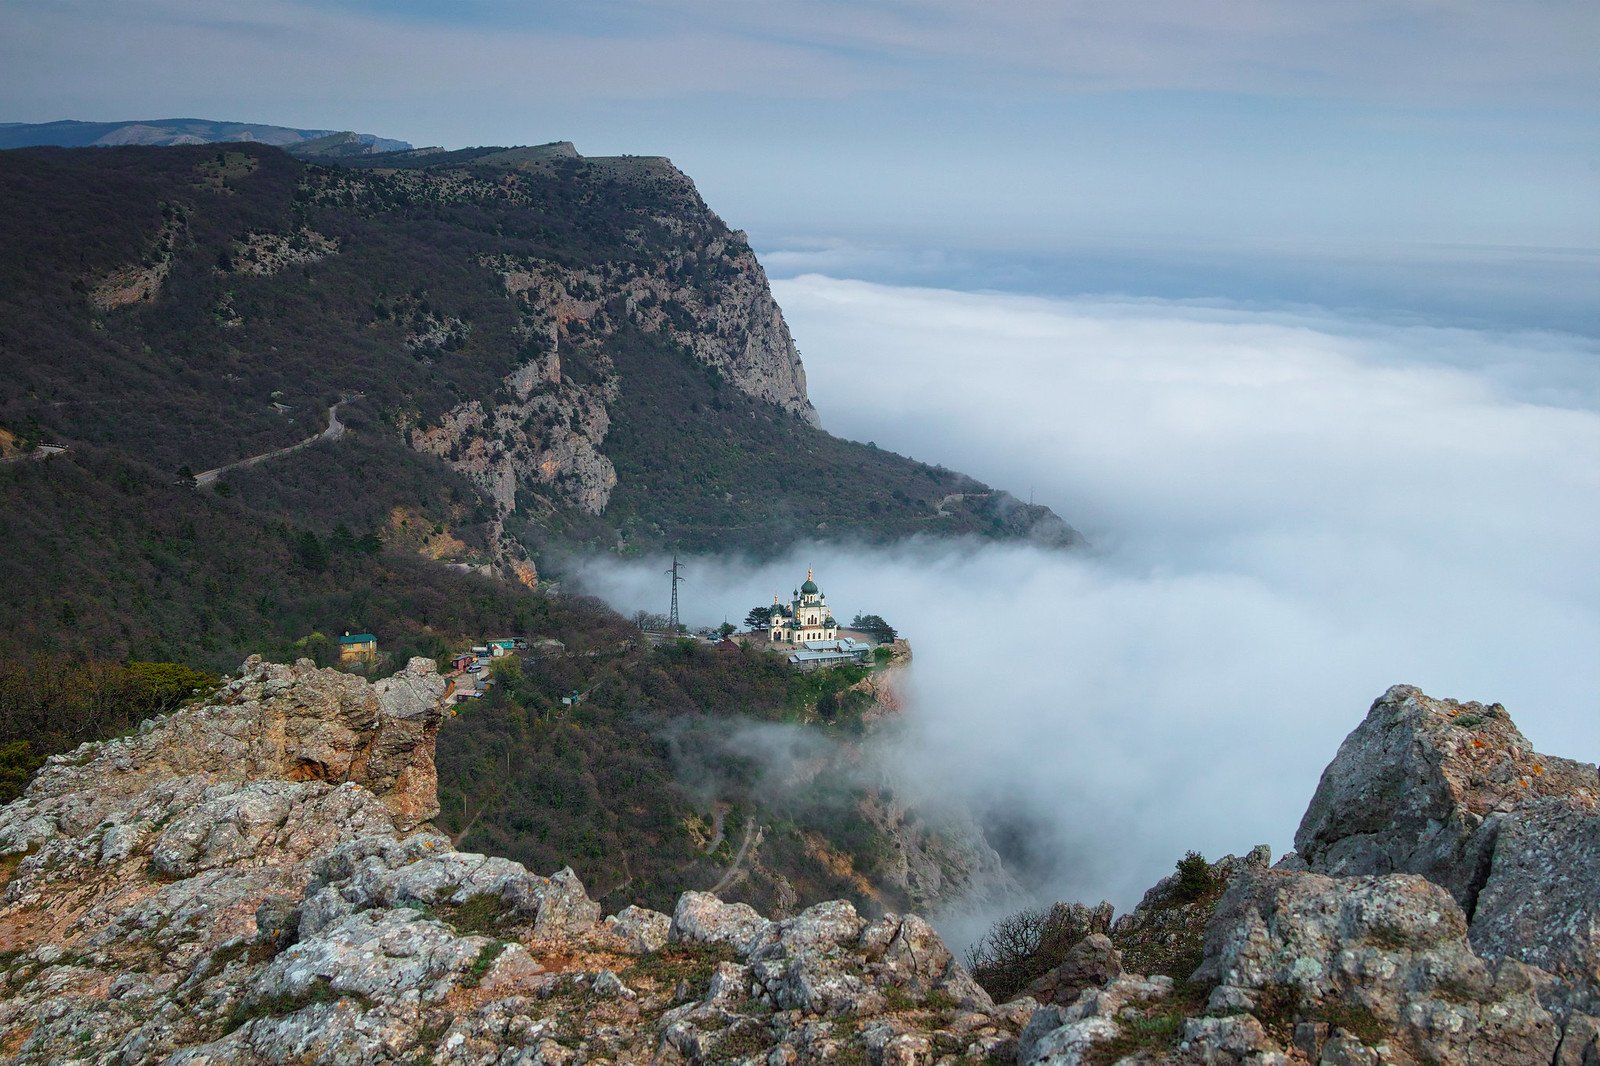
point(543, 434)
point(538, 353)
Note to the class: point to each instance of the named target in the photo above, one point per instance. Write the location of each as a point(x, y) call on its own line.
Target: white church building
point(807, 617)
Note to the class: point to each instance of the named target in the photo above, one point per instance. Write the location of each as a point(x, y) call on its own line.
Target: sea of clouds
point(1287, 511)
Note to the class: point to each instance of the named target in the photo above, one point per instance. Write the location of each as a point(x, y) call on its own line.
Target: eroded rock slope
point(254, 880)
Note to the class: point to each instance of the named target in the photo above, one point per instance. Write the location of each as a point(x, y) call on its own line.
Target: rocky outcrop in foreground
point(255, 880)
point(1443, 907)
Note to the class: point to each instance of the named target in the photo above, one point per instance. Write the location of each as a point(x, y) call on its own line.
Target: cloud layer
point(1289, 512)
point(1399, 49)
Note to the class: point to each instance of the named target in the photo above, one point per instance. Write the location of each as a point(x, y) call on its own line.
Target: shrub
point(482, 964)
point(478, 913)
point(1022, 947)
point(17, 764)
point(1195, 878)
point(875, 627)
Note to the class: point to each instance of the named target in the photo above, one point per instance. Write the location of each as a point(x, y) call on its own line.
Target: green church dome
point(809, 586)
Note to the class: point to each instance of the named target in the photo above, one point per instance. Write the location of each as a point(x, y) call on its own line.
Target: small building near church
point(820, 654)
point(806, 618)
point(357, 648)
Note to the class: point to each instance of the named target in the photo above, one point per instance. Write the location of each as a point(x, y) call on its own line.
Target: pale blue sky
point(1376, 131)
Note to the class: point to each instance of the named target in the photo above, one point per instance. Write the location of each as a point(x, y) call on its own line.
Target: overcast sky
point(1325, 128)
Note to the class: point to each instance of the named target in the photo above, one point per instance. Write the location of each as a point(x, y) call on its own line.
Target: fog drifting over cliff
point(1288, 513)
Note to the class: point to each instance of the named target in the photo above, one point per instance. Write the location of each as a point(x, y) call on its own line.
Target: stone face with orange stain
point(253, 880)
point(141, 282)
point(526, 573)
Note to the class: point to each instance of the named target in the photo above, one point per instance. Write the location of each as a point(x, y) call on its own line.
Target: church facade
point(805, 618)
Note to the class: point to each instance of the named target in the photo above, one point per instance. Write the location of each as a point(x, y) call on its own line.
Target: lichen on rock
point(254, 879)
point(1441, 909)
point(1454, 792)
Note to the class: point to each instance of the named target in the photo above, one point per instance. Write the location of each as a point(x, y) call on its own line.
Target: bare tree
point(1022, 947)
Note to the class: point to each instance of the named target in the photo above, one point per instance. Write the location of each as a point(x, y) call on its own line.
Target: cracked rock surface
point(1443, 908)
point(254, 880)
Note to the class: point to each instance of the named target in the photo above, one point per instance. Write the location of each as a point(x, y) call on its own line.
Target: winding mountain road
point(334, 431)
point(735, 871)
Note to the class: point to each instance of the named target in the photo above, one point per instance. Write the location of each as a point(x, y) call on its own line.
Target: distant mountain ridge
point(71, 133)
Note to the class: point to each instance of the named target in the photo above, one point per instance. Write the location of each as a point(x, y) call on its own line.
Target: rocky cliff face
point(544, 432)
point(534, 351)
point(853, 834)
point(1453, 792)
point(254, 880)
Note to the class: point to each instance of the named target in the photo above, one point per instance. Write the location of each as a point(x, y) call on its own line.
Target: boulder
point(701, 918)
point(1066, 1036)
point(641, 929)
point(1390, 951)
point(1235, 1038)
point(1090, 963)
point(1540, 903)
point(564, 907)
point(1580, 1043)
point(273, 723)
point(1454, 792)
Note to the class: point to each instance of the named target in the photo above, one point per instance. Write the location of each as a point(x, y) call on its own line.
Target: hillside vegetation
point(531, 353)
point(528, 319)
point(631, 783)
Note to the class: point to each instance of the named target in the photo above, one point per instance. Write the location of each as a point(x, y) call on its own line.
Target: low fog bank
point(1415, 488)
point(1289, 513)
point(1489, 287)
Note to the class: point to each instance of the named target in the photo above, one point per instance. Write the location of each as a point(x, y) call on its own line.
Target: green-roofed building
point(807, 617)
point(357, 648)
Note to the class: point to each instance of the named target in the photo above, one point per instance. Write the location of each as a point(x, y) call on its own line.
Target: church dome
point(809, 586)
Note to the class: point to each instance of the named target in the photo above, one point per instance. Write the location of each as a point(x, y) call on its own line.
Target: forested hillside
point(531, 353)
point(533, 350)
point(666, 774)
